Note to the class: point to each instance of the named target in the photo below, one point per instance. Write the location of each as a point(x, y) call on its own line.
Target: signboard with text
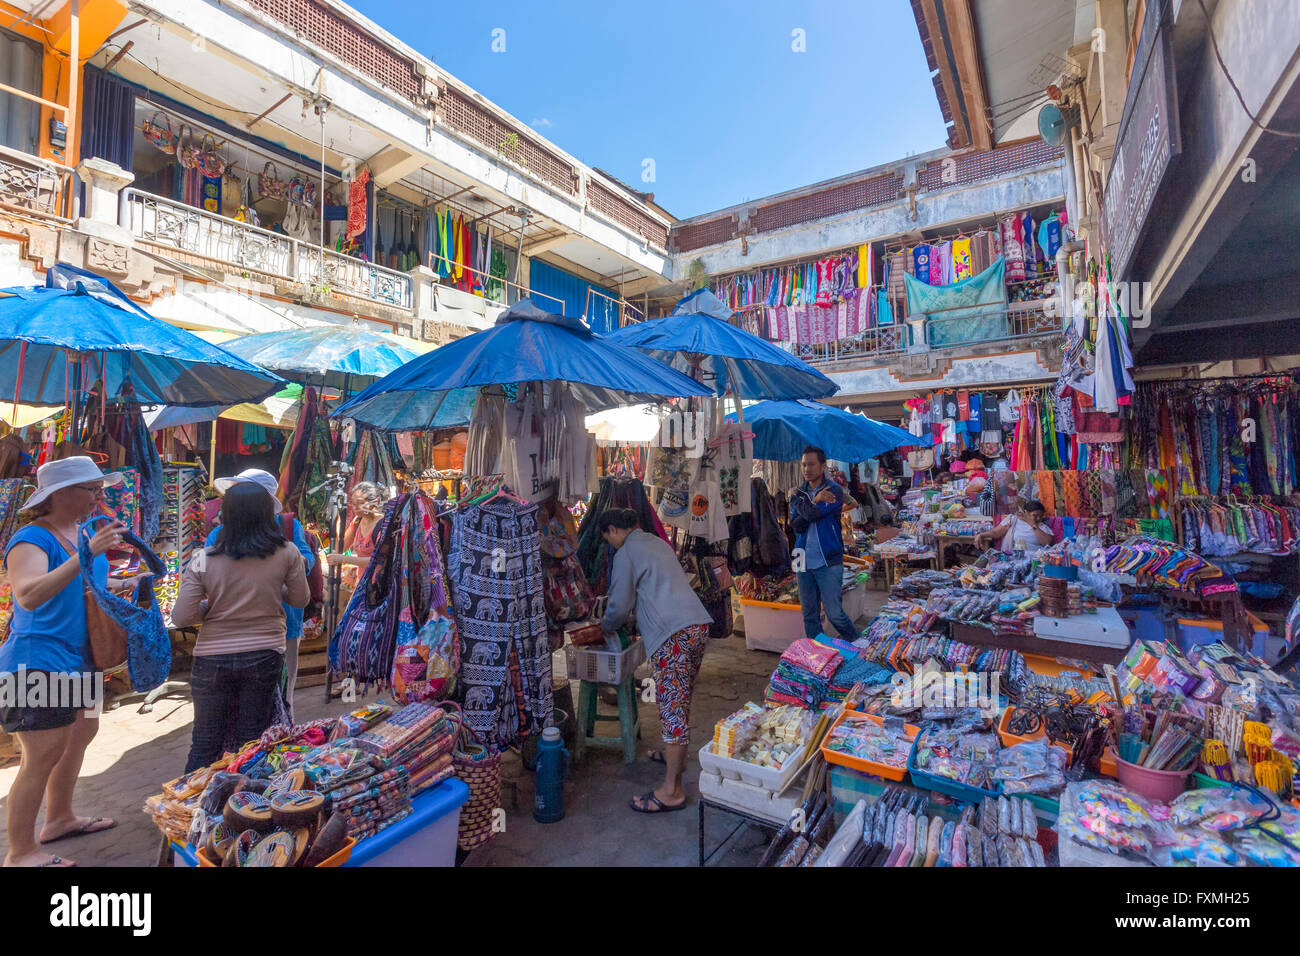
point(1148, 140)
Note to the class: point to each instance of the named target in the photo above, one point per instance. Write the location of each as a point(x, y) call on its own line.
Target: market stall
point(81, 341)
point(513, 585)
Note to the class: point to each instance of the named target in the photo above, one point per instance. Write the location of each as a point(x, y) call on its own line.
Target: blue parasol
point(525, 345)
point(697, 334)
point(783, 429)
point(57, 339)
point(337, 355)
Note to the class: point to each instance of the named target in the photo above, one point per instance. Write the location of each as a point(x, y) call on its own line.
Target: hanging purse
point(126, 631)
point(208, 159)
point(160, 134)
point(186, 154)
point(269, 184)
point(364, 642)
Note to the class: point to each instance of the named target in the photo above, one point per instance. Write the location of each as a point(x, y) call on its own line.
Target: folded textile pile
point(417, 737)
point(918, 584)
point(1153, 561)
point(855, 669)
point(369, 790)
point(804, 672)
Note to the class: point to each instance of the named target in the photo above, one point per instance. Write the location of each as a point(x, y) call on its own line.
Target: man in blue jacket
point(815, 509)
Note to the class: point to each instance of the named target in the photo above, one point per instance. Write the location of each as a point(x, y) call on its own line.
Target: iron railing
point(1000, 323)
point(33, 184)
point(253, 249)
point(882, 340)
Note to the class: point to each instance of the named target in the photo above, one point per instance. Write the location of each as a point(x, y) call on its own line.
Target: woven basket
point(480, 770)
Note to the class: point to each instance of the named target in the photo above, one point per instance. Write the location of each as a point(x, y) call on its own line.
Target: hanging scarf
point(357, 204)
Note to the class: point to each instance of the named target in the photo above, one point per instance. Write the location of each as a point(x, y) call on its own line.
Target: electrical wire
point(1214, 43)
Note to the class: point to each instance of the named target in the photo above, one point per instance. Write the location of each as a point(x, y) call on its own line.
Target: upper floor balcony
point(204, 238)
point(29, 184)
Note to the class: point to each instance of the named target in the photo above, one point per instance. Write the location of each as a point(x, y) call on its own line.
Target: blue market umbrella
point(783, 429)
point(57, 339)
point(525, 345)
point(337, 355)
point(731, 359)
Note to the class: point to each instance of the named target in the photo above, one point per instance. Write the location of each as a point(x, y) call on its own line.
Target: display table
point(945, 541)
point(425, 838)
point(892, 562)
point(1061, 647)
point(747, 818)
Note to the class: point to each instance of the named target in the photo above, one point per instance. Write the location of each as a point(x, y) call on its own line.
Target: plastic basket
point(1203, 781)
point(1159, 785)
point(603, 667)
point(1010, 740)
point(869, 766)
point(767, 778)
point(770, 625)
point(338, 859)
point(945, 785)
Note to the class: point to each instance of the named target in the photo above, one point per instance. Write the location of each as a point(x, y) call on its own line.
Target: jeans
point(234, 701)
point(822, 588)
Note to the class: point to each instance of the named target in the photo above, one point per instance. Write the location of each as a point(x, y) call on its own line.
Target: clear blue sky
point(711, 90)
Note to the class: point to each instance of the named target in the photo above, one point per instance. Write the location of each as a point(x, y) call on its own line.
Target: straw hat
point(252, 476)
point(64, 473)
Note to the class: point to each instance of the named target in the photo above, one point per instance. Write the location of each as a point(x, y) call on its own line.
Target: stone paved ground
point(134, 753)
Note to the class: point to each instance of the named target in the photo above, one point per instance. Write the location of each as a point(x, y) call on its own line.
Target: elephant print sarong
point(495, 567)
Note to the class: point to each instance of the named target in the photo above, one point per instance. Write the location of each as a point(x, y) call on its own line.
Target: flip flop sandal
point(656, 756)
point(56, 861)
point(84, 830)
point(649, 798)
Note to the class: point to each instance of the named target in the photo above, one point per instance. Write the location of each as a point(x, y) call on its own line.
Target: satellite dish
point(1051, 124)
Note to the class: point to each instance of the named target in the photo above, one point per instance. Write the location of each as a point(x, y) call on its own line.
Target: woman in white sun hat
point(49, 635)
point(293, 616)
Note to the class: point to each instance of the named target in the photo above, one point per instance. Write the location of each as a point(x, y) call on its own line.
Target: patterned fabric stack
point(854, 669)
point(416, 740)
point(804, 673)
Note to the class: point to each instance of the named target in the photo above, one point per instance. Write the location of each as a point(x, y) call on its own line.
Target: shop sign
point(1148, 140)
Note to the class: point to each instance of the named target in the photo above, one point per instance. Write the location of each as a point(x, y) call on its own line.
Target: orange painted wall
point(96, 19)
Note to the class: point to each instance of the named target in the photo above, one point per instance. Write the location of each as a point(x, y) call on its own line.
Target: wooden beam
point(6, 88)
point(130, 26)
point(118, 55)
point(965, 48)
point(545, 245)
point(266, 112)
point(74, 78)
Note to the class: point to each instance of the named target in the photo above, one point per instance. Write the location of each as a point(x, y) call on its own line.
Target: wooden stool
point(628, 717)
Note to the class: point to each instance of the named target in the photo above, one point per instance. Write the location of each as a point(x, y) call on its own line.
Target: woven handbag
point(160, 134)
point(480, 770)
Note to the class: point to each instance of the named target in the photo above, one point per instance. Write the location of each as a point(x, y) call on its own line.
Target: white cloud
point(542, 123)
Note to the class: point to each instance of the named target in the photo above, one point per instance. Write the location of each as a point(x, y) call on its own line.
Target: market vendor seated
point(1026, 530)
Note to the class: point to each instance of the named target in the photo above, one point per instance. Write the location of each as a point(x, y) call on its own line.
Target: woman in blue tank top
point(49, 692)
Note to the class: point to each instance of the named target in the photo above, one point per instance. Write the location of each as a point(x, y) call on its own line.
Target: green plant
point(697, 275)
point(509, 144)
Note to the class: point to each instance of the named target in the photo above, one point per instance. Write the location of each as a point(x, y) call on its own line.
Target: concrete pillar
point(104, 184)
point(1110, 45)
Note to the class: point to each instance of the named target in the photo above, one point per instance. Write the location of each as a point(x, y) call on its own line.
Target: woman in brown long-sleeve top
point(235, 591)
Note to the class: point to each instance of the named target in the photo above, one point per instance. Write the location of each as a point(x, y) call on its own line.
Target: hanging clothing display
point(357, 208)
point(495, 569)
point(401, 589)
point(1220, 436)
point(306, 461)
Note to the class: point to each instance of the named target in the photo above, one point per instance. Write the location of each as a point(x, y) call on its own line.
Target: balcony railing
point(33, 184)
point(253, 249)
point(884, 340)
point(1002, 323)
